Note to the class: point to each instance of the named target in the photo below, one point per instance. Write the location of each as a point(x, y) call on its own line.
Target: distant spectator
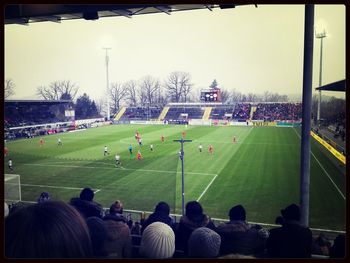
point(136, 228)
point(193, 219)
point(204, 243)
point(98, 234)
point(321, 245)
point(50, 229)
point(6, 209)
point(85, 204)
point(116, 212)
point(160, 214)
point(238, 237)
point(292, 240)
point(118, 244)
point(44, 196)
point(338, 248)
point(158, 241)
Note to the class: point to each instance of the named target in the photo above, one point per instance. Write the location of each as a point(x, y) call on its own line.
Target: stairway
point(163, 113)
point(206, 114)
point(120, 114)
point(252, 110)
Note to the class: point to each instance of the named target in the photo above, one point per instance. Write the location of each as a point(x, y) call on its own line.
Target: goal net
point(12, 188)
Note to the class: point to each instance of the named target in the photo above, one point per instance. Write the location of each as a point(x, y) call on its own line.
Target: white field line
point(109, 168)
point(60, 187)
point(336, 187)
point(205, 190)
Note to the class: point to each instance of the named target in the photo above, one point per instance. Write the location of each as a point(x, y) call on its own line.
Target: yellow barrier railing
point(337, 154)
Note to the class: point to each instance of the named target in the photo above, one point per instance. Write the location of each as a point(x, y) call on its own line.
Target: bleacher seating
point(174, 113)
point(141, 113)
point(218, 113)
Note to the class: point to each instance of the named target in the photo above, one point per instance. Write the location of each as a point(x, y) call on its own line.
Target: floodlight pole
point(321, 36)
point(182, 153)
point(107, 60)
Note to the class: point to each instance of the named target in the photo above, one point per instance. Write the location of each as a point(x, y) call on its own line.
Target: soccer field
point(260, 171)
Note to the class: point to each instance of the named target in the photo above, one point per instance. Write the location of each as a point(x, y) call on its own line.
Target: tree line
point(150, 91)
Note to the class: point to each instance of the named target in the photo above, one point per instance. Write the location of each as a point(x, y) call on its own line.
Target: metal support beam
point(163, 8)
point(182, 157)
point(306, 115)
point(125, 13)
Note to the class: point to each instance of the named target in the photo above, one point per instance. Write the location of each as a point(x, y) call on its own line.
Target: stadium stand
point(141, 113)
point(241, 111)
point(278, 111)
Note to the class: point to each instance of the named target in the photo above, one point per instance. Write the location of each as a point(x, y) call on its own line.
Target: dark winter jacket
point(186, 227)
point(238, 237)
point(157, 217)
point(290, 241)
point(87, 208)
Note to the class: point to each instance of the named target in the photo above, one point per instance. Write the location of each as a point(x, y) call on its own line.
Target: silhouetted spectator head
point(157, 241)
point(6, 211)
point(237, 213)
point(162, 207)
point(291, 212)
point(98, 234)
point(279, 220)
point(194, 211)
point(338, 248)
point(87, 194)
point(47, 230)
point(44, 196)
point(204, 243)
point(116, 208)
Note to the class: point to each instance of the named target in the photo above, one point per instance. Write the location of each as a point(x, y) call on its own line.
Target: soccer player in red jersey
point(211, 149)
point(139, 156)
point(41, 142)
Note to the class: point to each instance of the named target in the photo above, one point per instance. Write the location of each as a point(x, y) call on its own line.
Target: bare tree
point(9, 88)
point(101, 107)
point(68, 88)
point(132, 92)
point(117, 92)
point(58, 90)
point(236, 96)
point(225, 96)
point(149, 87)
point(178, 85)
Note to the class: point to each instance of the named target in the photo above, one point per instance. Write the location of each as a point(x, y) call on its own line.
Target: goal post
point(12, 183)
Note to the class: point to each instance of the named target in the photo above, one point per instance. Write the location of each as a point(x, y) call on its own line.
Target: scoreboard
point(211, 95)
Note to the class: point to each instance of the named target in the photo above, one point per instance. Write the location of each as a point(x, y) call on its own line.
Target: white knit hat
point(204, 243)
point(158, 241)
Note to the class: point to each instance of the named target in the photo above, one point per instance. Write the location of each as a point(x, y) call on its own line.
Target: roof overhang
point(335, 86)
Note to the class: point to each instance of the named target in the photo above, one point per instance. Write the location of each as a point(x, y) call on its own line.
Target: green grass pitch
point(260, 171)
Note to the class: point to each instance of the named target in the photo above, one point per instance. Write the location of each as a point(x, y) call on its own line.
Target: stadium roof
point(29, 13)
point(335, 86)
point(36, 101)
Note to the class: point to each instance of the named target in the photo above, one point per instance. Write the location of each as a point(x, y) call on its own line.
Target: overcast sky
point(248, 49)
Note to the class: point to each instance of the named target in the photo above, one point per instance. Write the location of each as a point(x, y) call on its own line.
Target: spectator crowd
point(82, 229)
